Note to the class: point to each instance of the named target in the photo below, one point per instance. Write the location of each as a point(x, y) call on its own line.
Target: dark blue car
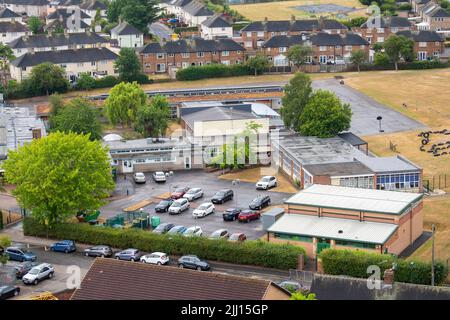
point(19, 254)
point(64, 246)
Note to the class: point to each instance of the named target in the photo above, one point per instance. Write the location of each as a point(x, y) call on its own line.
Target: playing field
point(283, 10)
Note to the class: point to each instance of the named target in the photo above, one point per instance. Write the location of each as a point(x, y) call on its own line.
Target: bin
point(155, 221)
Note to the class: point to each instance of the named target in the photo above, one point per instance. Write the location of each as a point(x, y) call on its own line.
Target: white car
point(203, 210)
point(178, 206)
point(159, 176)
point(158, 258)
point(39, 273)
point(194, 193)
point(139, 177)
point(266, 182)
point(194, 231)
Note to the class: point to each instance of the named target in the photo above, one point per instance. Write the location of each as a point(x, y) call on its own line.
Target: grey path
point(366, 110)
point(160, 30)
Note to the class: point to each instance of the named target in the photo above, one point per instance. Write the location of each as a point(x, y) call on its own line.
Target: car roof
point(189, 256)
point(159, 172)
point(224, 190)
point(219, 230)
point(196, 189)
point(159, 253)
point(42, 265)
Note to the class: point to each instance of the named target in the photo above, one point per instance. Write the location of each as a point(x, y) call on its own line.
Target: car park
point(19, 254)
point(194, 231)
point(39, 273)
point(65, 246)
point(139, 177)
point(231, 214)
point(23, 268)
point(220, 234)
point(193, 262)
point(259, 202)
point(237, 237)
point(179, 193)
point(158, 258)
point(128, 255)
point(163, 205)
point(98, 251)
point(222, 196)
point(203, 210)
point(266, 183)
point(163, 228)
point(193, 193)
point(177, 230)
point(159, 176)
point(8, 292)
point(249, 215)
point(178, 206)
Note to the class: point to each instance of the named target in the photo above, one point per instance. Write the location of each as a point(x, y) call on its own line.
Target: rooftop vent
point(340, 231)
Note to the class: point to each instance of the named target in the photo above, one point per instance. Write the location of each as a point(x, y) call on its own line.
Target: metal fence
point(438, 181)
point(281, 69)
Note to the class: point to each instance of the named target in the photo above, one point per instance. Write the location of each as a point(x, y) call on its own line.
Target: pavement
point(160, 30)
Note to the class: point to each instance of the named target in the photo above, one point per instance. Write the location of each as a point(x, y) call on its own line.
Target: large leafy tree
point(35, 24)
point(123, 102)
point(59, 175)
point(357, 58)
point(299, 54)
point(139, 13)
point(397, 47)
point(128, 65)
point(48, 78)
point(258, 63)
point(78, 116)
point(85, 81)
point(296, 96)
point(6, 55)
point(152, 118)
point(325, 115)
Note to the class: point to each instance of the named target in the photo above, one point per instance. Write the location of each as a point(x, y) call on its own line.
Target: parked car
point(249, 215)
point(193, 193)
point(194, 231)
point(193, 262)
point(65, 246)
point(158, 258)
point(237, 237)
point(23, 268)
point(159, 176)
point(128, 255)
point(220, 234)
point(98, 251)
point(8, 292)
point(178, 206)
point(19, 254)
point(139, 177)
point(163, 205)
point(163, 227)
point(203, 210)
point(179, 192)
point(231, 214)
point(266, 182)
point(39, 273)
point(222, 196)
point(259, 202)
point(177, 230)
point(291, 286)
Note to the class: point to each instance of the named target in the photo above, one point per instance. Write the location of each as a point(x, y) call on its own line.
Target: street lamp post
point(235, 183)
point(169, 175)
point(379, 118)
point(433, 229)
point(411, 266)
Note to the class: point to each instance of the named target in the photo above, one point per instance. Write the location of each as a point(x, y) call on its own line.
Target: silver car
point(39, 273)
point(98, 251)
point(178, 206)
point(159, 176)
point(193, 193)
point(139, 177)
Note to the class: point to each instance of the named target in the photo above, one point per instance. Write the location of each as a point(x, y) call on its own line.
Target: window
point(184, 64)
point(214, 53)
point(369, 39)
point(380, 30)
point(323, 59)
point(355, 244)
point(293, 237)
point(80, 65)
point(362, 46)
point(171, 55)
point(260, 33)
point(185, 55)
point(398, 181)
point(422, 44)
point(248, 44)
point(200, 54)
point(249, 34)
point(103, 62)
point(148, 65)
point(282, 49)
point(323, 48)
point(160, 56)
point(226, 62)
point(380, 39)
point(422, 55)
point(160, 67)
point(225, 53)
point(436, 53)
point(93, 63)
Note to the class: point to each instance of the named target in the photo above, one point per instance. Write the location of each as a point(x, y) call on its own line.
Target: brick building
point(378, 30)
point(427, 44)
point(437, 19)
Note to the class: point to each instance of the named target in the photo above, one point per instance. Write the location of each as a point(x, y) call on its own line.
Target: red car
point(179, 192)
point(249, 215)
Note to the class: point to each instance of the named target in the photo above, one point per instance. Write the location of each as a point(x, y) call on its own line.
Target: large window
point(365, 182)
point(293, 237)
point(355, 244)
point(398, 181)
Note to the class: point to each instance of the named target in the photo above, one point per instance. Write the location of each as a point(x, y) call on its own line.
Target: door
point(187, 162)
point(322, 246)
point(127, 166)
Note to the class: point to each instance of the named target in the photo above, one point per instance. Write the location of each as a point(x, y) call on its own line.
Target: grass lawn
point(283, 10)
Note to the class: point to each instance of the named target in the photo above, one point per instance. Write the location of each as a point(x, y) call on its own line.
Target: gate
point(322, 246)
point(305, 278)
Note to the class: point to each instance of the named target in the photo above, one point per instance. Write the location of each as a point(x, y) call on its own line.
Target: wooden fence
point(9, 217)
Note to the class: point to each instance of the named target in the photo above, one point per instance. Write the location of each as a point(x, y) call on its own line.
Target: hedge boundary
point(355, 263)
point(251, 252)
point(215, 70)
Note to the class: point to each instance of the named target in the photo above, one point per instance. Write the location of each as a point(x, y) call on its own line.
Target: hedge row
point(213, 71)
point(355, 263)
point(416, 65)
point(253, 252)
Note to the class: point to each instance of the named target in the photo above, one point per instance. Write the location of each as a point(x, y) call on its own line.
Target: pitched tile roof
point(297, 25)
point(125, 29)
point(27, 2)
point(65, 13)
point(195, 45)
point(216, 21)
point(197, 9)
point(64, 56)
point(110, 279)
point(6, 13)
point(93, 5)
point(63, 24)
point(6, 27)
point(422, 36)
point(439, 13)
point(318, 39)
point(57, 40)
point(386, 22)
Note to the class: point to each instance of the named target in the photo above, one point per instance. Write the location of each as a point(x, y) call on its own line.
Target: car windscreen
point(160, 227)
point(34, 271)
point(266, 179)
point(220, 194)
point(176, 204)
point(203, 207)
point(179, 190)
point(164, 202)
point(234, 237)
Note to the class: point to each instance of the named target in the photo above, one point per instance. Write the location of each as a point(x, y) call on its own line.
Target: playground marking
point(138, 206)
point(164, 195)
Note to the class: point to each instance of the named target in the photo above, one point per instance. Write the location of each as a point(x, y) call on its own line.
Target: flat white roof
point(324, 227)
point(369, 200)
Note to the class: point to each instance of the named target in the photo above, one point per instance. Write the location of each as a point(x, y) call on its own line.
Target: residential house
point(417, 5)
point(157, 58)
point(214, 27)
point(70, 20)
point(38, 8)
point(437, 19)
point(175, 7)
point(6, 15)
point(127, 36)
point(427, 44)
point(64, 4)
point(195, 13)
point(378, 29)
point(91, 7)
point(10, 31)
point(57, 42)
point(95, 61)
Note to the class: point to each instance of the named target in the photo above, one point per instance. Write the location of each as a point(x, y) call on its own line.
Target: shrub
point(355, 263)
point(213, 71)
point(106, 82)
point(252, 252)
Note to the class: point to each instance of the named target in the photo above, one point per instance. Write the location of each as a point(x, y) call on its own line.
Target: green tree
point(357, 58)
point(48, 78)
point(35, 24)
point(128, 65)
point(85, 81)
point(397, 47)
point(299, 54)
point(303, 296)
point(139, 13)
point(296, 95)
point(59, 175)
point(5, 242)
point(152, 118)
point(377, 47)
point(381, 59)
point(6, 55)
point(123, 102)
point(78, 116)
point(56, 103)
point(325, 115)
point(258, 63)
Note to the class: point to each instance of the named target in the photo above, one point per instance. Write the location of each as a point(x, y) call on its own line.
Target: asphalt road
point(160, 30)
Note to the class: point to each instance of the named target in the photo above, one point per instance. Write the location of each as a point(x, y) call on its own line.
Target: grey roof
point(354, 168)
point(93, 5)
point(386, 164)
point(352, 138)
point(64, 14)
point(6, 13)
point(318, 39)
point(27, 2)
point(216, 22)
point(67, 3)
point(422, 35)
point(353, 39)
point(197, 9)
point(6, 27)
point(297, 25)
point(57, 40)
point(439, 13)
point(147, 145)
point(64, 56)
point(326, 39)
point(125, 29)
point(63, 24)
point(386, 22)
point(216, 114)
point(195, 45)
point(182, 3)
point(283, 41)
